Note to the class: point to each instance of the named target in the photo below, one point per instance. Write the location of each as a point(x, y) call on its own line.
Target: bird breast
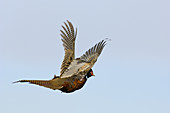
point(71, 86)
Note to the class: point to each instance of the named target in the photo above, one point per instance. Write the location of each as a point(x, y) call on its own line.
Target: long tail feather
point(45, 83)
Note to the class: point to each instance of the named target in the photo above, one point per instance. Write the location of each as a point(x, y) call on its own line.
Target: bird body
point(74, 72)
point(66, 85)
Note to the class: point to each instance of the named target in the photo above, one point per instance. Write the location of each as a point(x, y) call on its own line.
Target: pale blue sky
point(132, 73)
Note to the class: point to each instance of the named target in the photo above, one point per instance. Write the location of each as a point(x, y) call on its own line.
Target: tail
point(44, 83)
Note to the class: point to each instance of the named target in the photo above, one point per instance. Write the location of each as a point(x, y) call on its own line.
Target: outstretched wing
point(93, 53)
point(68, 35)
point(82, 65)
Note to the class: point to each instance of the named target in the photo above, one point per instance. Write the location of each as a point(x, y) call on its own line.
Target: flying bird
point(74, 71)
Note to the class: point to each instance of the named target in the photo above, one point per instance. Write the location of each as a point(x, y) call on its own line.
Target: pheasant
point(74, 71)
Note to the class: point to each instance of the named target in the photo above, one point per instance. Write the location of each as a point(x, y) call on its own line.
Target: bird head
point(90, 73)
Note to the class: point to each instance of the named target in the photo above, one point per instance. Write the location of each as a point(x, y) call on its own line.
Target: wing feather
point(82, 65)
point(90, 57)
point(92, 54)
point(68, 38)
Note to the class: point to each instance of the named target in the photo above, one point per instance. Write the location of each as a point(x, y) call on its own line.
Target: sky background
point(132, 73)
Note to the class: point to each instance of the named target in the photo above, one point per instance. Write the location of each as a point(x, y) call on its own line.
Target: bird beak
point(94, 75)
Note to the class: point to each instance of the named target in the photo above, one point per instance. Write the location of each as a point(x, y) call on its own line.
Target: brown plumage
point(66, 85)
point(44, 83)
point(74, 72)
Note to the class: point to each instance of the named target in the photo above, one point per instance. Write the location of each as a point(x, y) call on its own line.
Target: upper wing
point(93, 53)
point(68, 38)
point(82, 65)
